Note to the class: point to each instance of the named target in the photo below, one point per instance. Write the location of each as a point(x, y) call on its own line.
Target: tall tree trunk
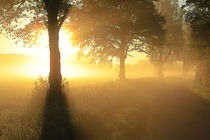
point(122, 68)
point(160, 71)
point(199, 74)
point(55, 77)
point(202, 75)
point(185, 66)
point(123, 55)
point(208, 73)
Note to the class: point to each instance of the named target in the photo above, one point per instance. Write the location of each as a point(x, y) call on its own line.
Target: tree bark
point(122, 68)
point(55, 77)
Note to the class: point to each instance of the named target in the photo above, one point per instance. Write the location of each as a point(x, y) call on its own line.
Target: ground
point(138, 109)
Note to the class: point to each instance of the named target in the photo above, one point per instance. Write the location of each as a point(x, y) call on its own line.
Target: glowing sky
point(8, 46)
point(37, 62)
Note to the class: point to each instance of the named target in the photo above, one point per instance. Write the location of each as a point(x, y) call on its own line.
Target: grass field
point(138, 109)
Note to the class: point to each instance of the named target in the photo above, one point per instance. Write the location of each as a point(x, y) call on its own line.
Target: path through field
point(142, 109)
point(179, 114)
point(146, 109)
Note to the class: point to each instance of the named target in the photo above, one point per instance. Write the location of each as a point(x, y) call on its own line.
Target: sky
point(19, 61)
point(8, 46)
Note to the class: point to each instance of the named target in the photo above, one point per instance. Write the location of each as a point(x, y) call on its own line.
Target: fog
point(104, 70)
point(99, 105)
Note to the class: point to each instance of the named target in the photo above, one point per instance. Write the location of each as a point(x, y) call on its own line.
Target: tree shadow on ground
point(57, 123)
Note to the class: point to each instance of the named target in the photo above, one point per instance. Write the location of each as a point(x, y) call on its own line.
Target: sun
point(41, 51)
point(65, 44)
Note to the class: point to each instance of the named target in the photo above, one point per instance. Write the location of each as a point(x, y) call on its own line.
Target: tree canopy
point(23, 19)
point(172, 47)
point(112, 29)
point(197, 15)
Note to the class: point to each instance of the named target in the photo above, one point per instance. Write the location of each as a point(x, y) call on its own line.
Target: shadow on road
point(56, 119)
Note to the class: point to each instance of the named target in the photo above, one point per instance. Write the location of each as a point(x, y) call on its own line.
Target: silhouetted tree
point(23, 19)
point(111, 29)
point(198, 18)
point(173, 48)
point(176, 35)
point(159, 54)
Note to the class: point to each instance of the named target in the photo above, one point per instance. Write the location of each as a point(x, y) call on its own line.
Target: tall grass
point(93, 111)
point(106, 111)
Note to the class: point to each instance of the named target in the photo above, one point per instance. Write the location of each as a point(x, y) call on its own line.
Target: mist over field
point(31, 67)
point(104, 70)
point(105, 109)
point(101, 107)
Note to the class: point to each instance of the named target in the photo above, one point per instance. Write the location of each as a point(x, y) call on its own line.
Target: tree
point(174, 47)
point(23, 19)
point(116, 28)
point(160, 54)
point(197, 15)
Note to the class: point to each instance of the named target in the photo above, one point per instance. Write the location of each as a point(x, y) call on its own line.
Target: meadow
point(136, 109)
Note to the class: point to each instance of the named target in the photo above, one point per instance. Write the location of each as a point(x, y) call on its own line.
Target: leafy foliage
point(172, 46)
point(112, 29)
point(23, 20)
point(198, 17)
point(40, 14)
point(174, 25)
